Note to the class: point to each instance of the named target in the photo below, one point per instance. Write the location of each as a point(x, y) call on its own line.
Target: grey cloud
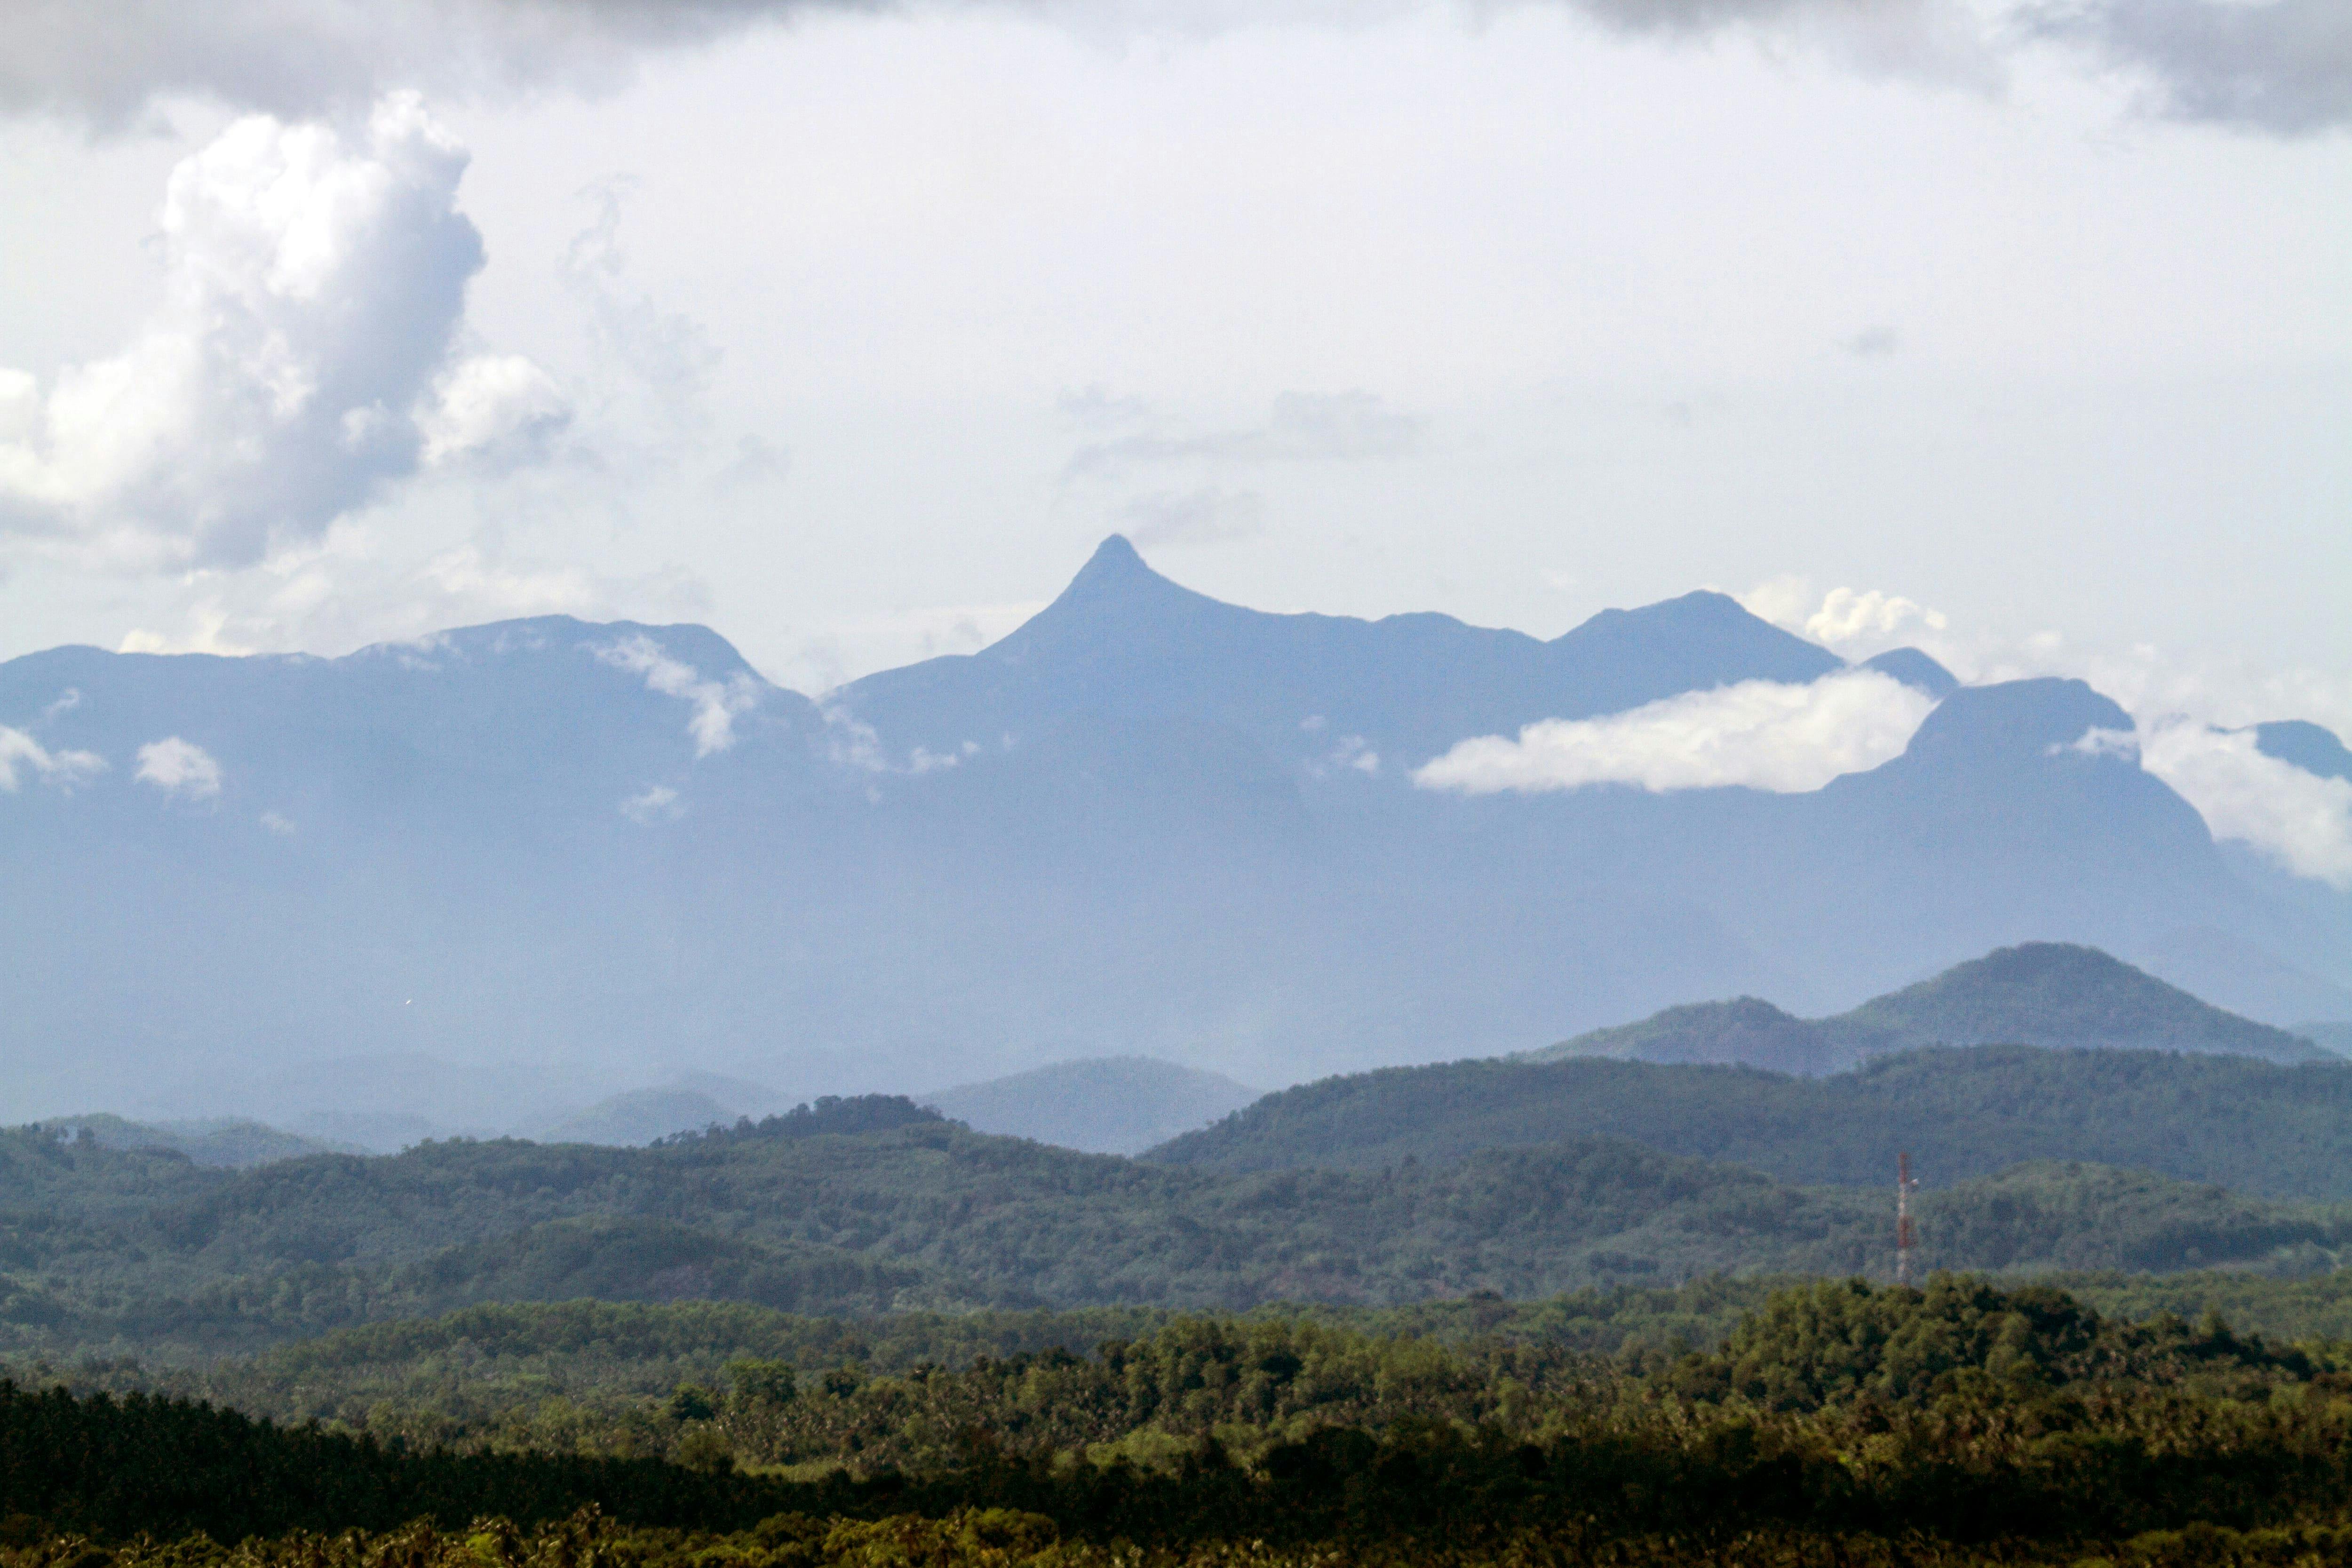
point(1873, 342)
point(105, 64)
point(1304, 427)
point(2278, 66)
point(1096, 408)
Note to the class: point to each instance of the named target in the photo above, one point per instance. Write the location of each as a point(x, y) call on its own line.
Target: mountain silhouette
point(2035, 994)
point(582, 859)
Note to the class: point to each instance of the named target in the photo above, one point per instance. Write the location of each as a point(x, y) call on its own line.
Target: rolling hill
point(2036, 993)
point(1962, 1113)
point(859, 1207)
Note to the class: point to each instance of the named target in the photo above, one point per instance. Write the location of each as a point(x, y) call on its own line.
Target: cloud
point(716, 702)
point(1940, 41)
point(2283, 66)
point(105, 64)
point(658, 803)
point(1873, 342)
point(665, 360)
point(348, 593)
point(2300, 820)
point(1204, 516)
point(1850, 621)
point(1757, 734)
point(62, 769)
point(314, 285)
point(1847, 616)
point(1304, 427)
point(180, 767)
point(497, 408)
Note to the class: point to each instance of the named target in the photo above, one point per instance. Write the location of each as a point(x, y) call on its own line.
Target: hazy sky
point(849, 330)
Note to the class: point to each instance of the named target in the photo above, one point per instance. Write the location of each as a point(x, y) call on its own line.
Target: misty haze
point(796, 784)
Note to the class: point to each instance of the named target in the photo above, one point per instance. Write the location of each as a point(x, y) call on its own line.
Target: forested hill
point(2035, 994)
point(896, 1208)
point(1961, 1113)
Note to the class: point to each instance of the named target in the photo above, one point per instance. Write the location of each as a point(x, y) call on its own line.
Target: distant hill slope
point(637, 1117)
point(1961, 1113)
point(2036, 993)
point(1104, 1105)
point(860, 1206)
point(227, 1142)
point(2336, 1038)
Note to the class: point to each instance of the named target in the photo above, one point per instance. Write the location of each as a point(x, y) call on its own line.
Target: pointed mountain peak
point(1115, 567)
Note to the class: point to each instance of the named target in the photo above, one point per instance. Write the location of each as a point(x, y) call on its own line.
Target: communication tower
point(1902, 1185)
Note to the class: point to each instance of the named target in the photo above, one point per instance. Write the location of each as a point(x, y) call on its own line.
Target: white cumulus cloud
point(314, 285)
point(180, 767)
point(63, 768)
point(1869, 616)
point(1851, 621)
point(1757, 734)
point(716, 702)
point(498, 407)
point(2300, 820)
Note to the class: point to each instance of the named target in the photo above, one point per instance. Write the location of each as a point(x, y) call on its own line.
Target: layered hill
point(1961, 1113)
point(486, 881)
point(860, 1206)
point(2036, 993)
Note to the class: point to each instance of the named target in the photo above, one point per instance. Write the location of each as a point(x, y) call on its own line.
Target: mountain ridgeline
point(2036, 993)
point(585, 859)
point(2111, 1065)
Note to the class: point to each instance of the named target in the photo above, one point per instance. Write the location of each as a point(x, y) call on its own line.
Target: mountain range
point(2036, 993)
point(564, 861)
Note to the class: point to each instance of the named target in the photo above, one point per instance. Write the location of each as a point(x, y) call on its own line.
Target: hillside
point(1962, 1111)
point(859, 1206)
point(486, 1372)
point(1115, 1105)
point(2035, 994)
point(219, 1142)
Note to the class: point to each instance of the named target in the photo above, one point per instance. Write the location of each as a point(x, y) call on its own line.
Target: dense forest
point(600, 1377)
point(859, 1206)
point(1962, 1113)
point(1832, 1423)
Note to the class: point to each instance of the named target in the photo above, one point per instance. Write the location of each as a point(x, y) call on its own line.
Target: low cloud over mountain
point(1146, 823)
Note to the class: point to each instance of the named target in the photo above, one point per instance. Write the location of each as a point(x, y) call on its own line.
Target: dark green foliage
point(2285, 1132)
point(1009, 1537)
point(1838, 1413)
point(1826, 1344)
point(127, 1251)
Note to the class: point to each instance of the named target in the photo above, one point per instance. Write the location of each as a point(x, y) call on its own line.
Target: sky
point(2019, 329)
